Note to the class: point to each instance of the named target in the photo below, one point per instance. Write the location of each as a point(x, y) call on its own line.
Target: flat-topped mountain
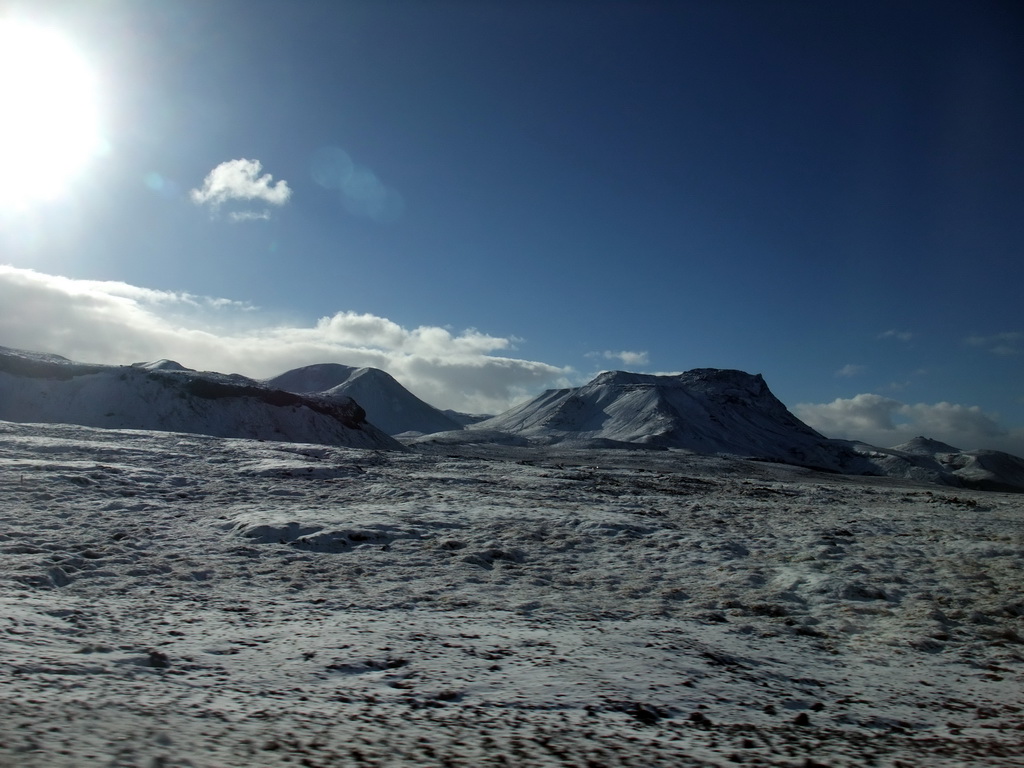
point(707, 410)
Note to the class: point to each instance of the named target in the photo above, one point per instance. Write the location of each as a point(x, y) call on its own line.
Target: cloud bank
point(111, 322)
point(240, 180)
point(886, 422)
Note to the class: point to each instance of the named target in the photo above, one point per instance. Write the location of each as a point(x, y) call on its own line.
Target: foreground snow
point(181, 600)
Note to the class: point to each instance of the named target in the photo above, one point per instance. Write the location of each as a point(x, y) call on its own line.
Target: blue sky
point(489, 199)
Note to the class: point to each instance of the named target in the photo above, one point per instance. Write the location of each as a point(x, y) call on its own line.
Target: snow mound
point(389, 406)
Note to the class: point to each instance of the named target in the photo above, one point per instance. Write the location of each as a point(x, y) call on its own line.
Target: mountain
point(166, 396)
point(932, 461)
point(709, 410)
point(389, 406)
point(705, 410)
point(925, 447)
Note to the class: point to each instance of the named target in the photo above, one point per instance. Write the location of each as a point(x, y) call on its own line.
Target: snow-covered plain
point(182, 600)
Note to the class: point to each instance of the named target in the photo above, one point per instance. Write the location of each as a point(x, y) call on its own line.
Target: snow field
point(181, 600)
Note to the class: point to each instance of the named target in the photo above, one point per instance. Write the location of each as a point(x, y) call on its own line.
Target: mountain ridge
point(171, 398)
point(705, 410)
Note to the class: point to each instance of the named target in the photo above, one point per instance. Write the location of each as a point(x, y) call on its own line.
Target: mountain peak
point(925, 446)
point(388, 405)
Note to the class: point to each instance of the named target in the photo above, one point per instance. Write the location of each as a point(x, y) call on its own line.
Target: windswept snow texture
point(183, 600)
point(389, 406)
point(167, 396)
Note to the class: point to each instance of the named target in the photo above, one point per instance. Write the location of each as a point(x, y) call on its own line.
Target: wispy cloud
point(249, 215)
point(1006, 344)
point(118, 323)
point(850, 370)
point(626, 357)
point(898, 335)
point(240, 181)
point(886, 422)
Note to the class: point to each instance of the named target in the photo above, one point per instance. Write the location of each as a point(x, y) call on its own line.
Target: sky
point(491, 199)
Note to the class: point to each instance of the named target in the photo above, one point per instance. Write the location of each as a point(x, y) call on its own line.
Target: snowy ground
point(180, 600)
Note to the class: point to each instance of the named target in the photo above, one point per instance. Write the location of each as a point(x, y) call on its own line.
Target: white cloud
point(110, 322)
point(240, 180)
point(898, 335)
point(887, 422)
point(1006, 344)
point(625, 356)
point(851, 370)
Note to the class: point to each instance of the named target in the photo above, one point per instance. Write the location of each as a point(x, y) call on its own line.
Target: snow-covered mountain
point(709, 410)
point(388, 404)
point(706, 410)
point(169, 397)
point(935, 462)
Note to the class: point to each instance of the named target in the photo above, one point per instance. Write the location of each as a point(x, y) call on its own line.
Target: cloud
point(1006, 344)
point(887, 422)
point(625, 356)
point(898, 335)
point(111, 322)
point(851, 370)
point(249, 215)
point(240, 180)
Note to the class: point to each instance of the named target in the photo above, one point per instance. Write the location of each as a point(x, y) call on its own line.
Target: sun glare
point(48, 114)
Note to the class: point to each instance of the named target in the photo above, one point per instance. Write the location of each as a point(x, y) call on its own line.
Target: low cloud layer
point(110, 322)
point(240, 181)
point(887, 422)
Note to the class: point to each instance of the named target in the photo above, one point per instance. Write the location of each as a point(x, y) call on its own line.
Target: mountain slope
point(167, 397)
point(389, 406)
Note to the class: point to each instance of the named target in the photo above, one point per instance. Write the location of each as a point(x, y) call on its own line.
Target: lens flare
point(49, 127)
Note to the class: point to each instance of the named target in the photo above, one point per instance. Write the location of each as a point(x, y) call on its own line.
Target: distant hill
point(169, 397)
point(388, 404)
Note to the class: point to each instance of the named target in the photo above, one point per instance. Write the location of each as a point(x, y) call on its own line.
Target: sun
point(49, 117)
